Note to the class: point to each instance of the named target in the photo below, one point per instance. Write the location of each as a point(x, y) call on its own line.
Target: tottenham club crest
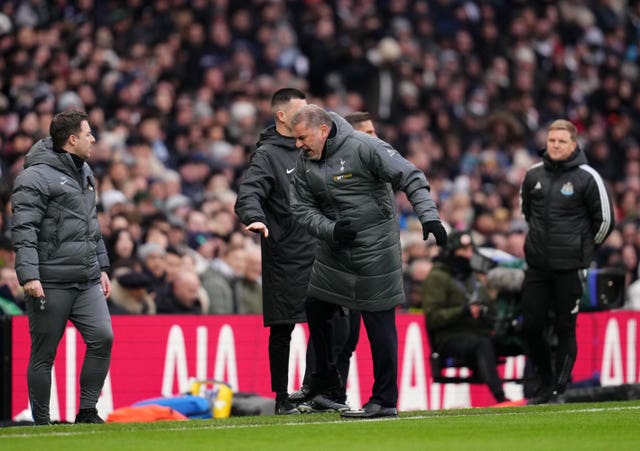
point(342, 177)
point(567, 189)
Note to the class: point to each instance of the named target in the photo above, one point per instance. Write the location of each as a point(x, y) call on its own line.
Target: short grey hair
point(313, 116)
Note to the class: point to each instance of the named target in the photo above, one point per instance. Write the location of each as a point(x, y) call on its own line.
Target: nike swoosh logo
point(307, 171)
point(289, 171)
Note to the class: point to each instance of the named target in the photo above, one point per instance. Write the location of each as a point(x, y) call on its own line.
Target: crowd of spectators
point(177, 91)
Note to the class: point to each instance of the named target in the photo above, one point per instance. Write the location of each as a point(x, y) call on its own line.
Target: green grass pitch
point(573, 427)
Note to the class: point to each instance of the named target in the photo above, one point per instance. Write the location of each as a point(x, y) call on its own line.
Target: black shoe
point(322, 404)
point(545, 395)
point(314, 387)
point(284, 407)
point(371, 410)
point(88, 416)
point(330, 404)
point(311, 407)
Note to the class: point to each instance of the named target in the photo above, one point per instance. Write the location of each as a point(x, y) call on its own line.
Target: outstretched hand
point(258, 227)
point(437, 230)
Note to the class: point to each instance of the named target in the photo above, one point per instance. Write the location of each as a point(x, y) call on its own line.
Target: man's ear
point(325, 130)
point(280, 115)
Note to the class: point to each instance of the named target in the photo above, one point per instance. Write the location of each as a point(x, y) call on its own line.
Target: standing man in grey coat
point(61, 261)
point(340, 195)
point(287, 250)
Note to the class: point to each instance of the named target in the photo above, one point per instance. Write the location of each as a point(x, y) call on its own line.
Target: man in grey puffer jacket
point(61, 261)
point(340, 195)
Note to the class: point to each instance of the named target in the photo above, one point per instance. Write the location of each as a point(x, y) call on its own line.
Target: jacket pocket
point(53, 240)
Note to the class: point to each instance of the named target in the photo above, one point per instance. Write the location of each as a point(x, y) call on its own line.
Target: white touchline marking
point(212, 425)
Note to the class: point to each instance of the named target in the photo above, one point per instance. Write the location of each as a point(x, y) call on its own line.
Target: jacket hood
point(576, 159)
point(42, 153)
point(343, 130)
point(269, 136)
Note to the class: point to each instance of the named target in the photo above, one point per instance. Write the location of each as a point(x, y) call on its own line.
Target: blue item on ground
point(189, 405)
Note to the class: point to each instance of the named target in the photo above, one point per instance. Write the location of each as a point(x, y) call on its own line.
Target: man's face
point(559, 145)
point(185, 289)
point(156, 264)
point(311, 140)
point(366, 127)
point(464, 251)
point(83, 141)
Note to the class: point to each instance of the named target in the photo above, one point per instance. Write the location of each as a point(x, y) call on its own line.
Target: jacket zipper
point(547, 206)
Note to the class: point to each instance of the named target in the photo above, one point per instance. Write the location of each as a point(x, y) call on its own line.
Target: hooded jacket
point(446, 295)
point(350, 183)
point(55, 229)
point(568, 210)
point(288, 251)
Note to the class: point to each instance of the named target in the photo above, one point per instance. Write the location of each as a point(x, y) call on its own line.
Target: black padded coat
point(287, 253)
point(569, 213)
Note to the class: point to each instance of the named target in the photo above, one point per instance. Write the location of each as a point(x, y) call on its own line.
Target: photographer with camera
point(460, 311)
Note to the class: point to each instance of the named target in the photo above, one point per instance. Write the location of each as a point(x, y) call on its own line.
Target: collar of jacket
point(577, 158)
point(77, 161)
point(332, 134)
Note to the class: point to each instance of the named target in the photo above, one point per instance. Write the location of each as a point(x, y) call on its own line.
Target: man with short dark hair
point(287, 250)
point(361, 121)
point(61, 261)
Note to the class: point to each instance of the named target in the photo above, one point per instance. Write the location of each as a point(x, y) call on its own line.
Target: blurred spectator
point(180, 260)
point(182, 296)
point(414, 276)
point(7, 253)
point(121, 246)
point(219, 289)
point(152, 256)
point(231, 266)
point(11, 295)
point(458, 310)
point(249, 288)
point(130, 295)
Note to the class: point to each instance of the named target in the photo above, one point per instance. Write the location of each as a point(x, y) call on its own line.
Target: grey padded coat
point(350, 183)
point(55, 230)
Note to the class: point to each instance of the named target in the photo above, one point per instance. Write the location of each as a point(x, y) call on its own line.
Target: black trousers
point(551, 299)
point(346, 333)
point(479, 351)
point(383, 338)
point(349, 346)
point(279, 347)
